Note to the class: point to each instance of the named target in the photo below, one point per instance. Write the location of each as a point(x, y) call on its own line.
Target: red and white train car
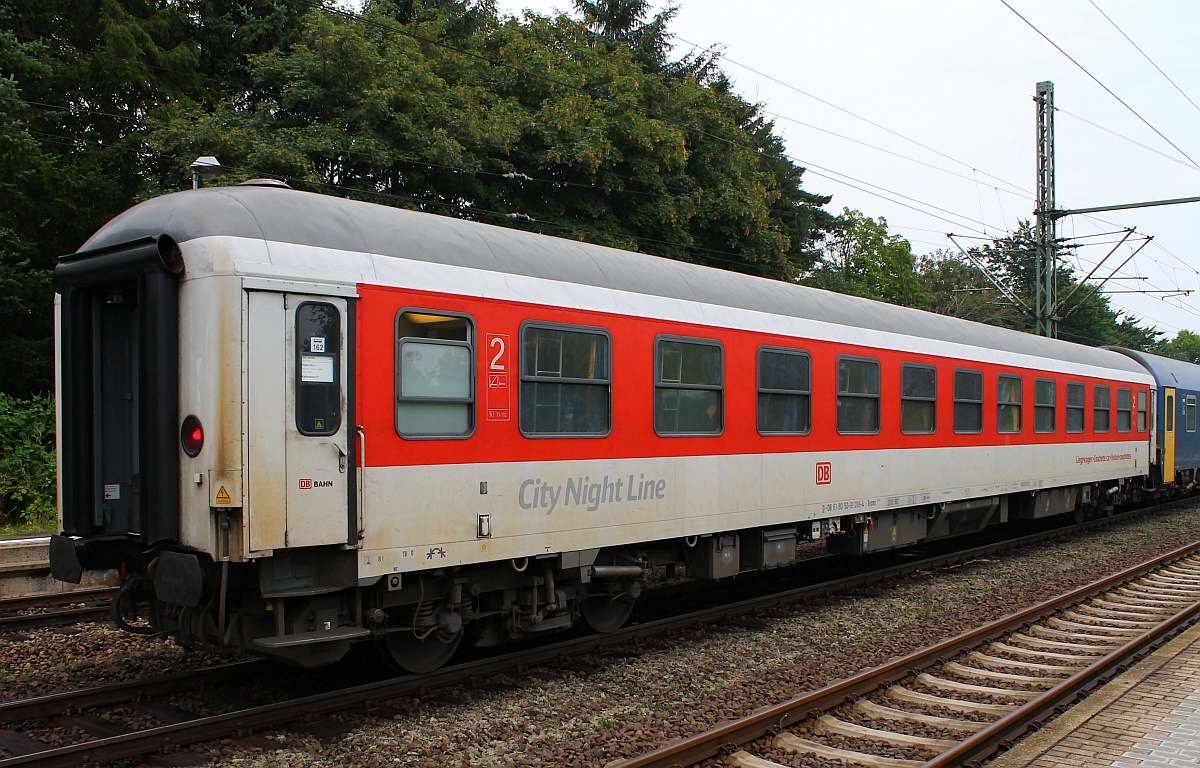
point(297, 420)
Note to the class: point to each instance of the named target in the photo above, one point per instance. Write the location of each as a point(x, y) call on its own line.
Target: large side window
point(784, 391)
point(435, 392)
point(1043, 405)
point(968, 402)
point(1189, 413)
point(1076, 412)
point(318, 352)
point(1124, 409)
point(1008, 404)
point(918, 399)
point(857, 396)
point(1101, 408)
point(1143, 410)
point(565, 380)
point(688, 381)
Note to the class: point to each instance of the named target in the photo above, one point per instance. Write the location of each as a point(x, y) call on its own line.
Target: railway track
point(55, 609)
point(165, 726)
point(959, 701)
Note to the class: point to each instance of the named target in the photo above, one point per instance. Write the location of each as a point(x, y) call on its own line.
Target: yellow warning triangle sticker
point(222, 495)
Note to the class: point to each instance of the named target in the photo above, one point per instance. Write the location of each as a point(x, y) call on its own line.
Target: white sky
point(958, 76)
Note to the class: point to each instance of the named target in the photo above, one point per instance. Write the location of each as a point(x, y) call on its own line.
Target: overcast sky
point(955, 79)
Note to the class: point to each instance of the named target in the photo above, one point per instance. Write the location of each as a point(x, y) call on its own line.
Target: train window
point(1189, 413)
point(918, 399)
point(857, 396)
point(1124, 409)
point(1142, 411)
point(784, 389)
point(1008, 404)
point(968, 402)
point(1076, 413)
point(1043, 405)
point(435, 372)
point(318, 389)
point(688, 385)
point(565, 381)
point(1101, 408)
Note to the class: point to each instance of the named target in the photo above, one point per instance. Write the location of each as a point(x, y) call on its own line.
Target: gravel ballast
point(590, 711)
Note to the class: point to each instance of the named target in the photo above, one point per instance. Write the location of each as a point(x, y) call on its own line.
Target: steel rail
point(988, 741)
point(56, 615)
point(150, 740)
point(52, 704)
point(42, 599)
point(54, 618)
point(768, 720)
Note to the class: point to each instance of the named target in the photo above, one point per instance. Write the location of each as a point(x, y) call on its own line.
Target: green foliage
point(959, 289)
point(623, 22)
point(862, 259)
point(1185, 346)
point(368, 108)
point(1086, 316)
point(27, 465)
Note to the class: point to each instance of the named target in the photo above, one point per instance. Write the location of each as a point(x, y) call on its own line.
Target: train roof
point(277, 214)
point(1167, 371)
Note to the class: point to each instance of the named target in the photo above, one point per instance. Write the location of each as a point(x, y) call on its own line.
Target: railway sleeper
point(880, 712)
point(900, 693)
point(829, 724)
point(801, 746)
point(997, 677)
point(970, 689)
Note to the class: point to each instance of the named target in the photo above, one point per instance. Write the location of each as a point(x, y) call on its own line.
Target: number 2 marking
point(498, 343)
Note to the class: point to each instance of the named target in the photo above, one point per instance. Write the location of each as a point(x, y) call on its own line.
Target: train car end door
point(299, 465)
point(1168, 468)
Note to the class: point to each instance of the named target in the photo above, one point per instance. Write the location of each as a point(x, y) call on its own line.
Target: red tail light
point(192, 436)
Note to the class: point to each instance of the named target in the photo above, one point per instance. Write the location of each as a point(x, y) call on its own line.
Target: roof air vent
point(265, 183)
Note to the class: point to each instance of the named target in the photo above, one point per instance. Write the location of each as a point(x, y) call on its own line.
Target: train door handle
point(341, 458)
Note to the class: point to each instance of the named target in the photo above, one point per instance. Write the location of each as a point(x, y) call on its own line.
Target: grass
point(9, 530)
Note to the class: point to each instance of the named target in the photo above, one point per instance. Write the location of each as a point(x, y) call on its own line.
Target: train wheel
point(605, 614)
point(408, 653)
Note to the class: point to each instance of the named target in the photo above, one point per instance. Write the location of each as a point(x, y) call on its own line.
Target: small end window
point(1124, 409)
point(1076, 412)
point(1008, 404)
point(434, 375)
point(918, 399)
point(688, 387)
point(784, 391)
point(968, 402)
point(1043, 406)
point(858, 396)
point(1101, 408)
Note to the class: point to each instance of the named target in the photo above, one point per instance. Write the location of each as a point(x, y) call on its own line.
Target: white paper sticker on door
point(316, 368)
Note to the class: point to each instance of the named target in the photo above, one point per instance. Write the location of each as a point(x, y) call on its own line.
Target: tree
point(1185, 346)
point(623, 22)
point(862, 258)
point(78, 79)
point(957, 288)
point(526, 118)
point(1087, 317)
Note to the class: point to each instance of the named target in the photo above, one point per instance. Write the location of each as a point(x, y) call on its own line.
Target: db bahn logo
point(824, 473)
point(306, 483)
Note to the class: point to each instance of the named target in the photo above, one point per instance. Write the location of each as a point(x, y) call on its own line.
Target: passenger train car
point(1177, 448)
point(296, 421)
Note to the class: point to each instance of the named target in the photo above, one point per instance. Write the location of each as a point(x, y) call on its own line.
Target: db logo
point(306, 483)
point(824, 473)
